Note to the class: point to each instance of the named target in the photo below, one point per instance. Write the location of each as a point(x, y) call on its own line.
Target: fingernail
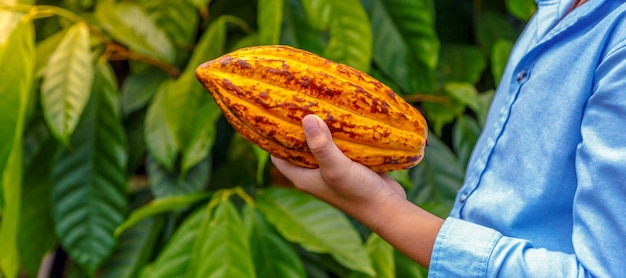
point(310, 124)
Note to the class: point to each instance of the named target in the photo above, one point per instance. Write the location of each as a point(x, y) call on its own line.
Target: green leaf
point(465, 93)
point(165, 183)
point(521, 9)
point(350, 34)
point(315, 225)
point(460, 63)
point(211, 44)
point(18, 52)
point(45, 49)
point(174, 260)
point(67, 81)
point(405, 42)
point(158, 134)
point(261, 160)
point(492, 26)
point(134, 249)
point(499, 58)
point(382, 254)
point(273, 255)
point(438, 177)
point(128, 23)
point(269, 20)
point(159, 206)
point(405, 267)
point(89, 180)
point(139, 88)
point(177, 19)
point(464, 136)
point(36, 235)
point(300, 32)
point(222, 248)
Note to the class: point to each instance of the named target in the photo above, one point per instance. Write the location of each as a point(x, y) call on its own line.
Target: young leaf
point(273, 256)
point(134, 249)
point(67, 80)
point(173, 261)
point(17, 51)
point(222, 248)
point(315, 225)
point(128, 23)
point(405, 42)
point(158, 134)
point(159, 206)
point(89, 179)
point(269, 20)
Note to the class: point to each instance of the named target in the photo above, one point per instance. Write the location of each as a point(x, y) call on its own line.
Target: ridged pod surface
point(265, 91)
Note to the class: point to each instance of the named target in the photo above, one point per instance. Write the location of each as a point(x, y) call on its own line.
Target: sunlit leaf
point(159, 206)
point(273, 255)
point(382, 254)
point(350, 40)
point(315, 225)
point(159, 137)
point(299, 32)
point(522, 9)
point(405, 42)
point(67, 81)
point(222, 248)
point(269, 19)
point(17, 50)
point(128, 23)
point(89, 180)
point(178, 19)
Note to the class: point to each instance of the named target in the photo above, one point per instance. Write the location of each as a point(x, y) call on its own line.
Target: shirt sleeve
point(464, 249)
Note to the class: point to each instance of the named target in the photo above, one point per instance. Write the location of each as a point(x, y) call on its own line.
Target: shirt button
point(522, 76)
point(463, 198)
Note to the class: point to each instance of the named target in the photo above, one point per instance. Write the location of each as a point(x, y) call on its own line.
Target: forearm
point(407, 227)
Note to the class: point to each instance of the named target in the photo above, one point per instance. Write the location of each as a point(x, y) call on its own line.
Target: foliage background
point(115, 162)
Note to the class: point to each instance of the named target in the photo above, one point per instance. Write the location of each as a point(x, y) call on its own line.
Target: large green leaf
point(491, 27)
point(222, 248)
point(159, 206)
point(522, 9)
point(67, 81)
point(36, 236)
point(139, 88)
point(499, 58)
point(128, 23)
point(350, 34)
point(405, 42)
point(165, 183)
point(464, 136)
point(382, 254)
point(134, 249)
point(18, 52)
point(273, 255)
point(89, 180)
point(315, 225)
point(159, 136)
point(299, 32)
point(173, 261)
point(460, 63)
point(178, 19)
point(269, 20)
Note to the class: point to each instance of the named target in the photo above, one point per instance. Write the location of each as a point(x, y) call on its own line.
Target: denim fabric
point(545, 190)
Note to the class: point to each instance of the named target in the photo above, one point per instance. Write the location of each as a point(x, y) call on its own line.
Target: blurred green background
point(115, 162)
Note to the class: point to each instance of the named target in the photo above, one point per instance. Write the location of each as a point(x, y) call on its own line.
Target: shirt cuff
point(462, 249)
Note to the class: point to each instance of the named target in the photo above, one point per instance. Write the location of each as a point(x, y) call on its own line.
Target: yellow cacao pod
point(265, 91)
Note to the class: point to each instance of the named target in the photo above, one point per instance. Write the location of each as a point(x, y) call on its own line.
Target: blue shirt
point(545, 189)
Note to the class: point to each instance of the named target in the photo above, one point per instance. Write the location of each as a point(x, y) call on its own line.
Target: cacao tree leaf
point(405, 42)
point(174, 260)
point(36, 235)
point(44, 50)
point(492, 26)
point(222, 248)
point(159, 136)
point(211, 44)
point(298, 31)
point(460, 63)
point(159, 206)
point(139, 88)
point(405, 267)
point(464, 136)
point(382, 255)
point(350, 40)
point(438, 177)
point(177, 19)
point(128, 23)
point(315, 225)
point(17, 51)
point(67, 81)
point(273, 256)
point(521, 9)
point(499, 58)
point(200, 4)
point(464, 93)
point(269, 20)
point(89, 180)
point(165, 183)
point(134, 248)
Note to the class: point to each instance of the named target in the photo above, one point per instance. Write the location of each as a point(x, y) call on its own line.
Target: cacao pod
point(265, 91)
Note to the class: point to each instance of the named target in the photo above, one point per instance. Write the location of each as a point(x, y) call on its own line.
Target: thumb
point(321, 144)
